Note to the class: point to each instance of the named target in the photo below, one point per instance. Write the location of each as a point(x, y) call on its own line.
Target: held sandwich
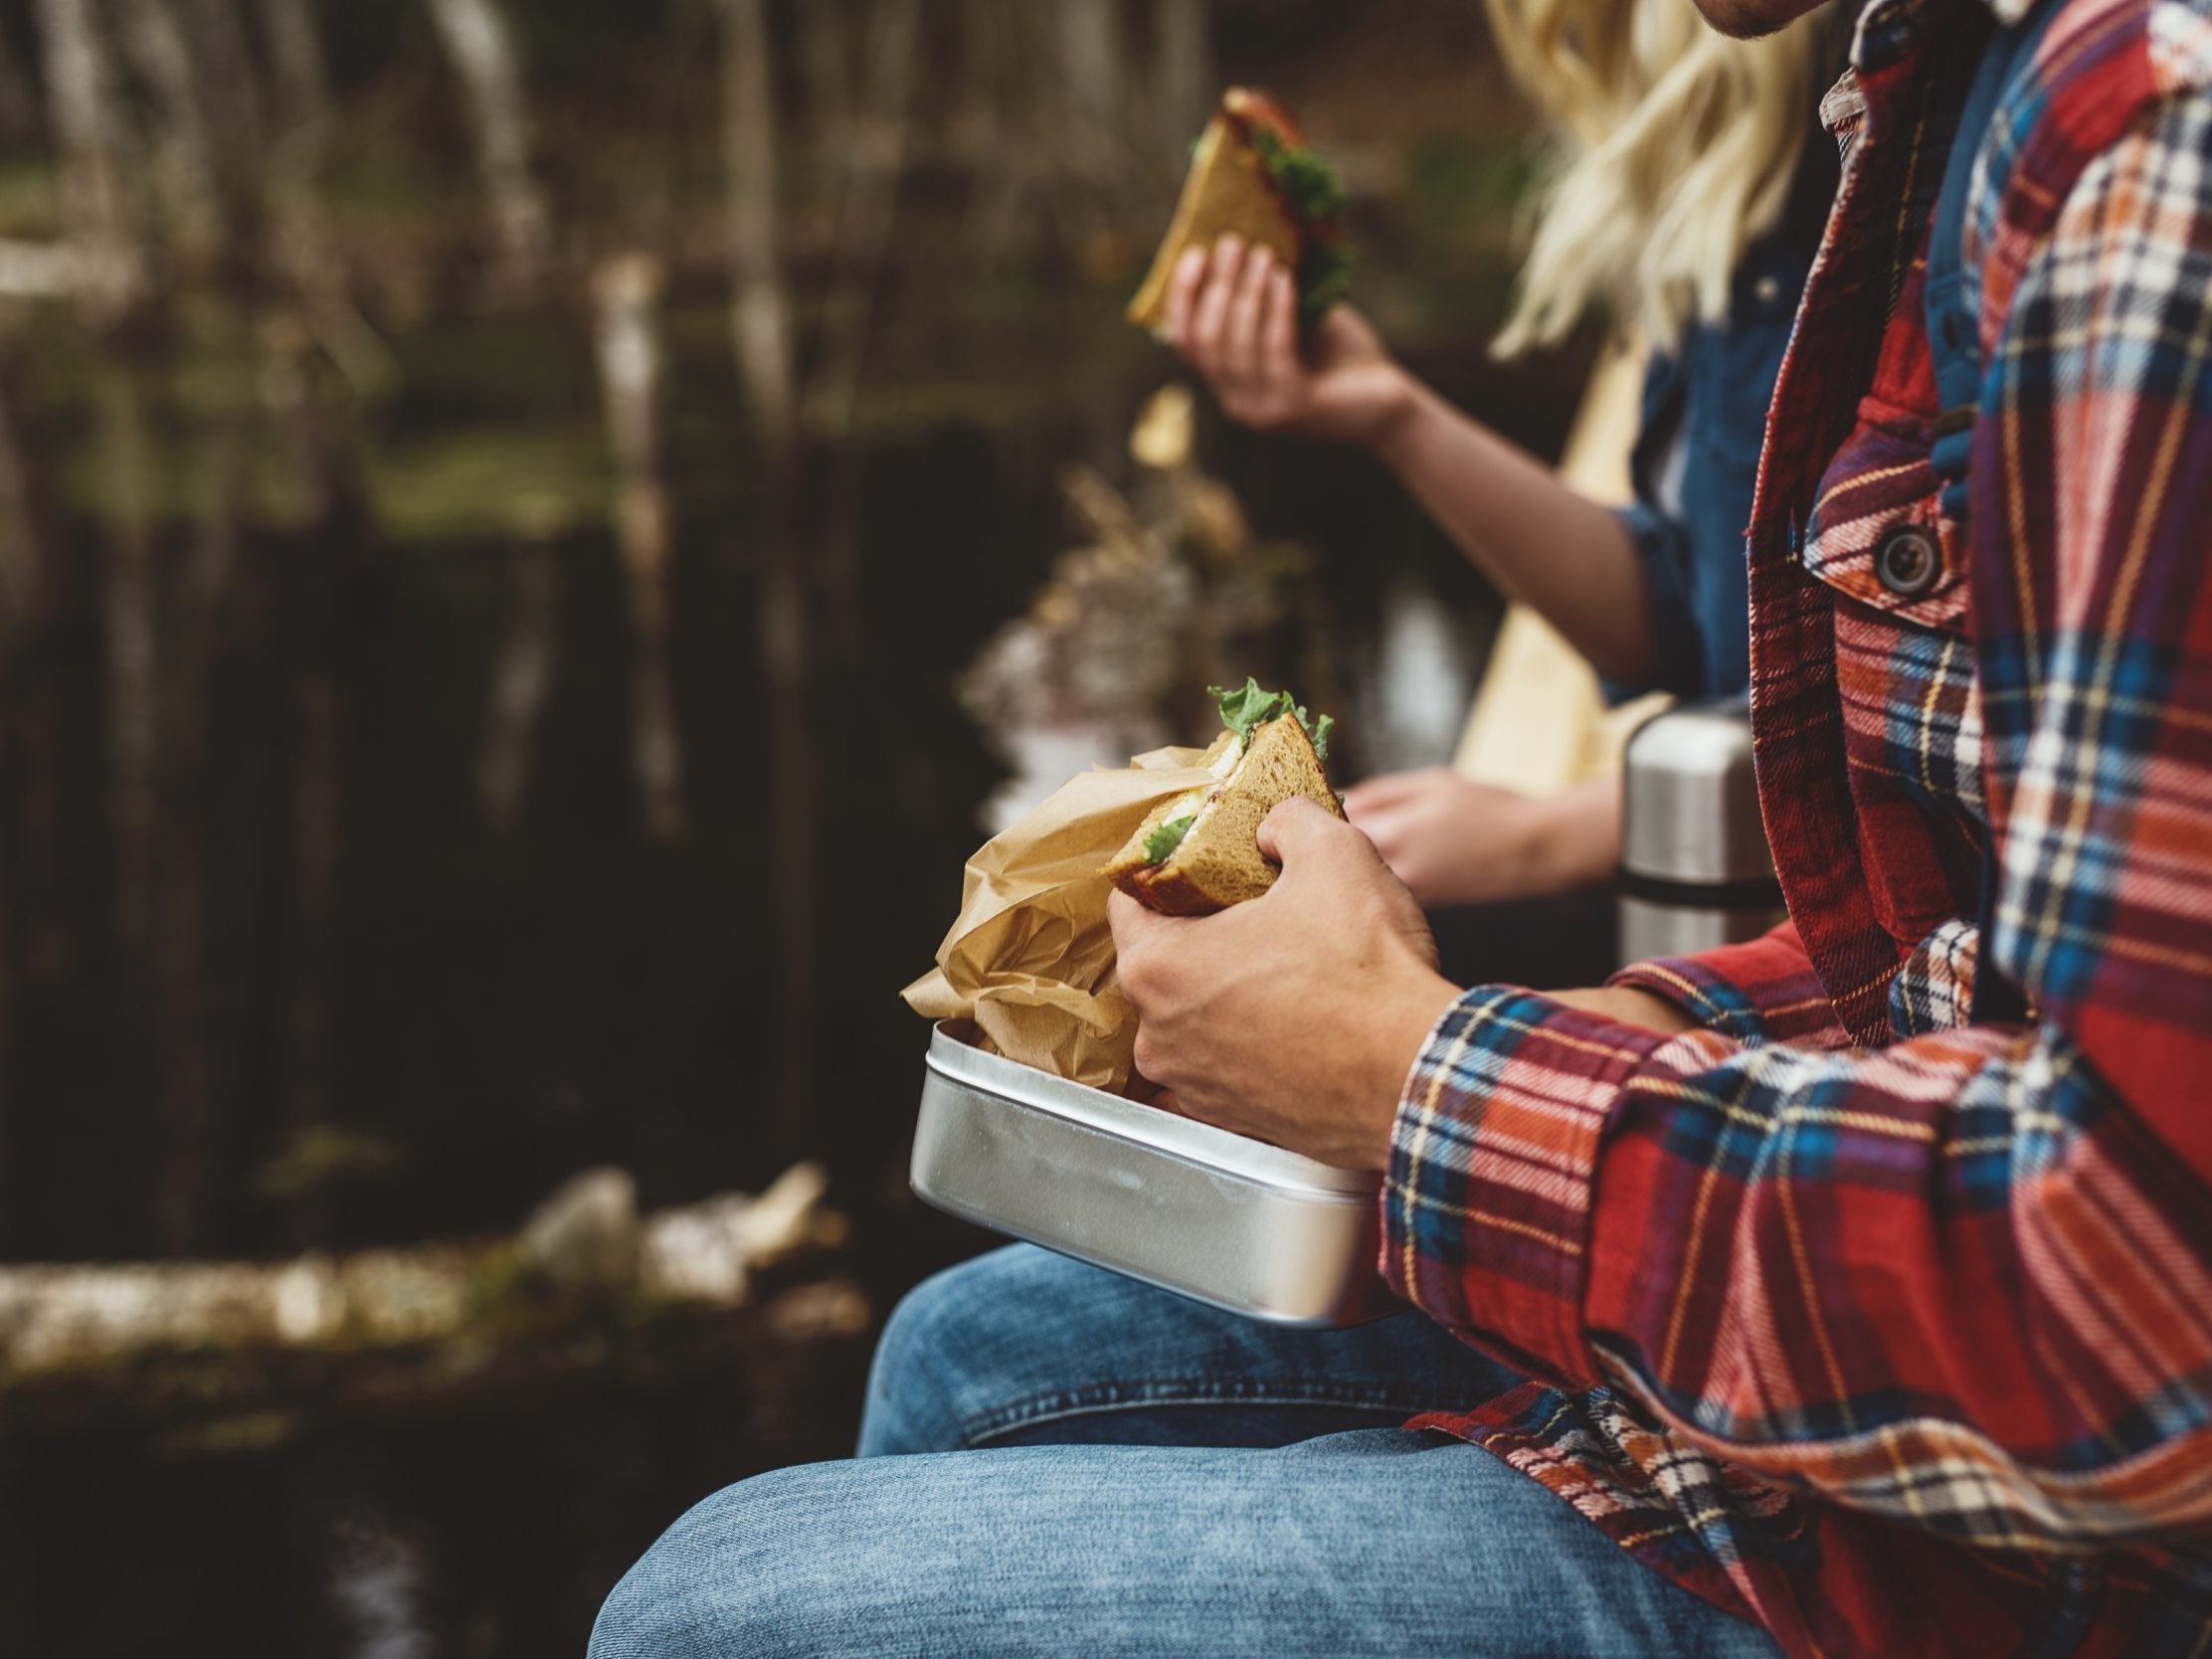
point(1200, 852)
point(1252, 174)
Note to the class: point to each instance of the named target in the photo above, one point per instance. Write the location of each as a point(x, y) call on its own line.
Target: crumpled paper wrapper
point(1030, 959)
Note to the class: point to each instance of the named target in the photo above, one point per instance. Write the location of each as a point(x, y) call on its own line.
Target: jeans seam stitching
point(1062, 1403)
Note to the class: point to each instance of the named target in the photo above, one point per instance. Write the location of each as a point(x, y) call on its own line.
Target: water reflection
point(330, 916)
point(347, 898)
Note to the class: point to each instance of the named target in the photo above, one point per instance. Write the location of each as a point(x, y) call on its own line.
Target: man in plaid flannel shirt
point(1882, 1326)
point(1886, 1328)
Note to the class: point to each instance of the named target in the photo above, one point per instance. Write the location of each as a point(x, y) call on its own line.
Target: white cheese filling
point(1199, 802)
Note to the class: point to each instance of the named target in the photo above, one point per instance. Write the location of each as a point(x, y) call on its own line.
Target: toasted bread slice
point(1217, 864)
point(1227, 190)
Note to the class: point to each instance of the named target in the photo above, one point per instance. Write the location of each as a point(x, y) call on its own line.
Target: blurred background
point(532, 533)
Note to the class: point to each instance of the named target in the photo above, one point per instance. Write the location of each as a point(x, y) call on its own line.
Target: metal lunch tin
point(1225, 1219)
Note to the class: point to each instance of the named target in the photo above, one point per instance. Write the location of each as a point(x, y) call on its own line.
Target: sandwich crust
point(1218, 862)
point(1227, 190)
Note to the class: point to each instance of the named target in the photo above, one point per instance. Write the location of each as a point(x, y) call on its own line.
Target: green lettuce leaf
point(1308, 183)
point(1316, 195)
point(1159, 846)
point(1248, 709)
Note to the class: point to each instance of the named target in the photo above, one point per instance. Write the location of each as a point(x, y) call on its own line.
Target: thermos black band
point(1763, 894)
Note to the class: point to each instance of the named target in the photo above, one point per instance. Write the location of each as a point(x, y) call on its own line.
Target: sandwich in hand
point(1251, 174)
point(1200, 852)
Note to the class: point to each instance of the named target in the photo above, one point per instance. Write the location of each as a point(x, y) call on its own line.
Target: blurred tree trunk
point(231, 1325)
point(480, 43)
point(184, 154)
point(313, 587)
point(522, 679)
point(301, 81)
point(186, 1088)
point(826, 67)
point(627, 293)
point(761, 333)
point(978, 118)
point(32, 943)
point(129, 589)
point(315, 810)
point(875, 163)
point(1094, 75)
point(1058, 150)
point(92, 136)
point(24, 742)
point(22, 576)
point(20, 114)
point(10, 945)
point(761, 314)
point(875, 152)
point(238, 132)
point(1184, 77)
point(1001, 40)
point(302, 243)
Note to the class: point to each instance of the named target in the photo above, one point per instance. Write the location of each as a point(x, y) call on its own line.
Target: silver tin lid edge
point(1201, 1144)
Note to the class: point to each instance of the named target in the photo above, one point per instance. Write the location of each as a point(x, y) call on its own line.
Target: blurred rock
point(584, 1236)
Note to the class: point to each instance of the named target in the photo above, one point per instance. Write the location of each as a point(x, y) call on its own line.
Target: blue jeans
point(1058, 1461)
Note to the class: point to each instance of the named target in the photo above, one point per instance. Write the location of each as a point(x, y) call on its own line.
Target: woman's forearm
point(1544, 544)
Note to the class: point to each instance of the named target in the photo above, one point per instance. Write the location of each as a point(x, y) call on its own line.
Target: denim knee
point(914, 1385)
point(717, 1585)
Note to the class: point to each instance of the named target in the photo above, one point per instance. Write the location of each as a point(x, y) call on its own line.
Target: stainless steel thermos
point(1695, 870)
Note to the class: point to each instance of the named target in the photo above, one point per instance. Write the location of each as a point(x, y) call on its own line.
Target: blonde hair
point(1677, 146)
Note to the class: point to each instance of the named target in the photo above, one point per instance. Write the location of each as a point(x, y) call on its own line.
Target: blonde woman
point(1106, 1468)
point(1690, 199)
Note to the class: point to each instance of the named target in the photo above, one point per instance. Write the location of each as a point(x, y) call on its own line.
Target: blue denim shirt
point(1710, 398)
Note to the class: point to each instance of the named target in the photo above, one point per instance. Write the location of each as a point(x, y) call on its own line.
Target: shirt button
point(1767, 289)
point(1909, 562)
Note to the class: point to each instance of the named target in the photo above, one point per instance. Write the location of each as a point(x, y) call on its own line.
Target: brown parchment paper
point(1030, 959)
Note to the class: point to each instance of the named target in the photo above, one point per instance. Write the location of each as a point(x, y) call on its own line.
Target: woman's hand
point(1233, 315)
point(1452, 841)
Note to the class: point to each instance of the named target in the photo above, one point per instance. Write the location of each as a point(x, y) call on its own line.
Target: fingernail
point(1228, 246)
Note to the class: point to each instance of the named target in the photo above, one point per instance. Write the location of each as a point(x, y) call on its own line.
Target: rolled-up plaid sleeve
point(1499, 1133)
point(1953, 1281)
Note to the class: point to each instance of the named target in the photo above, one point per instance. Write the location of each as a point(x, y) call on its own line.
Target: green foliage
point(1248, 708)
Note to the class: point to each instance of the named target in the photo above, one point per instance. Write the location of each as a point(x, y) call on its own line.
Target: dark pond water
point(274, 979)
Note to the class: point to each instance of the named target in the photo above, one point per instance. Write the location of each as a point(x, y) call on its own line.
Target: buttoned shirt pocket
point(1876, 533)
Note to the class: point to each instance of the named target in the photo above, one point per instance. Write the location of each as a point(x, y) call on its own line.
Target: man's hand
point(1234, 315)
point(1294, 1018)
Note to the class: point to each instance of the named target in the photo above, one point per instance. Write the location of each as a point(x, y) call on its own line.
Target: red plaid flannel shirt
point(1888, 1330)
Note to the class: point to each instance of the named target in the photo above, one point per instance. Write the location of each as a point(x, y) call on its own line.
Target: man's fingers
point(1144, 949)
point(1134, 925)
point(1298, 829)
point(1129, 919)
